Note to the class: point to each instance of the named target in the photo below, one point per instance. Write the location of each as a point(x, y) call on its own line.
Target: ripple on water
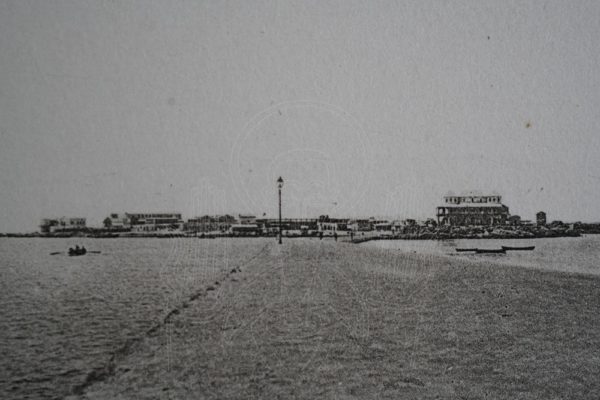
point(61, 317)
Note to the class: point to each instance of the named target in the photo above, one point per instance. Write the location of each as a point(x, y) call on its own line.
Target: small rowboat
point(518, 248)
point(73, 252)
point(77, 252)
point(465, 250)
point(490, 251)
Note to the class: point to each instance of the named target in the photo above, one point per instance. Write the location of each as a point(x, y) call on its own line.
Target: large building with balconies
point(472, 208)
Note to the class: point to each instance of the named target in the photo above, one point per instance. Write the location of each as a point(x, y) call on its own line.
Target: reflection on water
point(580, 255)
point(61, 317)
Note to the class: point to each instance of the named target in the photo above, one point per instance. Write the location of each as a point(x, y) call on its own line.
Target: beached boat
point(490, 251)
point(465, 250)
point(518, 248)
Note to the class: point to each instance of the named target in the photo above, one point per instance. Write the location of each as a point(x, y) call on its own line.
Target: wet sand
point(317, 319)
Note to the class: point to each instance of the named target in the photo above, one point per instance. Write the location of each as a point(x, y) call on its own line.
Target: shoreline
point(313, 319)
point(341, 237)
point(460, 237)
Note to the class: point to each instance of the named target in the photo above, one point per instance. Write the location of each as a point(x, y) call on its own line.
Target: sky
point(374, 108)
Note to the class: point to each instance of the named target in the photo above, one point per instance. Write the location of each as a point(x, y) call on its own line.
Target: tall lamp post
point(279, 186)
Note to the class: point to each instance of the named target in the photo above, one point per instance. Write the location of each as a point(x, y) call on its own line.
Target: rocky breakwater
point(479, 232)
point(496, 232)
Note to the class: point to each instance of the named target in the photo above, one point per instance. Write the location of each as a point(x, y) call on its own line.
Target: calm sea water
point(581, 255)
point(61, 317)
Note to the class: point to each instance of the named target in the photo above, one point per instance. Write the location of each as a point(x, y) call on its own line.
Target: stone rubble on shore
point(476, 232)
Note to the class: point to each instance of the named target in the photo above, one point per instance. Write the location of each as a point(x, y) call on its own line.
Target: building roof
point(472, 193)
point(473, 205)
point(152, 212)
point(469, 193)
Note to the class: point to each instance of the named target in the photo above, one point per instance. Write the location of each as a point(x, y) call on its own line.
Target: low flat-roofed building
point(383, 227)
point(151, 222)
point(270, 226)
point(360, 224)
point(245, 230)
point(364, 224)
point(246, 219)
point(210, 223)
point(472, 208)
point(333, 224)
point(49, 225)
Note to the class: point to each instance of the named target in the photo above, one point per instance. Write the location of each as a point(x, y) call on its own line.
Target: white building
point(49, 225)
point(152, 222)
point(119, 221)
point(246, 219)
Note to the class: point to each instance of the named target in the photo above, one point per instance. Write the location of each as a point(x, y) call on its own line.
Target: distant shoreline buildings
point(471, 210)
point(467, 209)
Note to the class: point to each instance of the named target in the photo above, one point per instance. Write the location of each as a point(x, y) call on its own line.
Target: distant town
point(468, 215)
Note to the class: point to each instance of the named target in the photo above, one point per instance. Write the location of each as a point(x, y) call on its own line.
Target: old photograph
point(299, 199)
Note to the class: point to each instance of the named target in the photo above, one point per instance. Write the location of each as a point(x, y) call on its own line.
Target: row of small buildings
point(126, 222)
point(145, 223)
point(467, 209)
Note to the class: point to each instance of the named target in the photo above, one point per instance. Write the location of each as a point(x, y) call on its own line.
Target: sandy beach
point(318, 319)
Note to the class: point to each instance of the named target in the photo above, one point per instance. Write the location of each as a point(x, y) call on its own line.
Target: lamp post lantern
point(279, 186)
